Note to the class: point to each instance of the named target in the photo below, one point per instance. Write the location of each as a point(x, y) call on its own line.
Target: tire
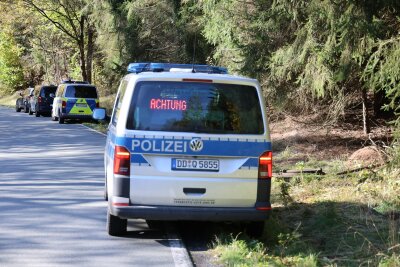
point(155, 225)
point(61, 120)
point(17, 109)
point(255, 229)
point(30, 111)
point(26, 110)
point(115, 225)
point(53, 118)
point(37, 114)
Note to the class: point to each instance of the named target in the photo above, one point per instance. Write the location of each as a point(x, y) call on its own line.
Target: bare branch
point(57, 24)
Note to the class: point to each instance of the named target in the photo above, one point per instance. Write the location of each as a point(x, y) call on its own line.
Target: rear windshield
point(78, 91)
point(195, 107)
point(46, 91)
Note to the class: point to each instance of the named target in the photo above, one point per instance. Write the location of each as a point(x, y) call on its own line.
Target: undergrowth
point(8, 100)
point(330, 220)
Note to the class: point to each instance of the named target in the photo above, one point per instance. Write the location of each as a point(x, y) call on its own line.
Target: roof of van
point(191, 77)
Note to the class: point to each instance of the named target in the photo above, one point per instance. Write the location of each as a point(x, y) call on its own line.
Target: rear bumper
point(76, 117)
point(44, 109)
point(179, 213)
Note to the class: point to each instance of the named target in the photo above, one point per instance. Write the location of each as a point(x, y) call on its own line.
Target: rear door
point(81, 99)
point(44, 99)
point(195, 143)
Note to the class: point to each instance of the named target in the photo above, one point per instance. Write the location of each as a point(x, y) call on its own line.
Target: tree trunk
point(81, 44)
point(89, 55)
point(366, 122)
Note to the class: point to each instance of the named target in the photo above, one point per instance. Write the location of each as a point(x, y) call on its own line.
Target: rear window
point(46, 91)
point(195, 107)
point(77, 91)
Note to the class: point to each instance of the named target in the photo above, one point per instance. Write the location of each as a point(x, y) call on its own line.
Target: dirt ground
point(345, 141)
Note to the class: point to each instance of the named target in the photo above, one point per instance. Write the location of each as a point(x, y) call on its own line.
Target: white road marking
point(93, 130)
point(179, 252)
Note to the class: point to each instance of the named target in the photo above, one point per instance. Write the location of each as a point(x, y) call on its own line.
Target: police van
point(187, 142)
point(74, 100)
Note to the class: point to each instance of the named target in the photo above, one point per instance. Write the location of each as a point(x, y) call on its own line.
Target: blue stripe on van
point(138, 159)
point(251, 162)
point(91, 103)
point(170, 146)
point(70, 104)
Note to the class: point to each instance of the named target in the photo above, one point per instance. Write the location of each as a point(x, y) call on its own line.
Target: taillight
point(122, 161)
point(40, 99)
point(265, 165)
point(64, 104)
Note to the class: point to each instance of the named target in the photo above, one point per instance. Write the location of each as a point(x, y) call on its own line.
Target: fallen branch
point(361, 168)
point(292, 173)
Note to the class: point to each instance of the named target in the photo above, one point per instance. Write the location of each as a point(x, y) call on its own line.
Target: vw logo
point(196, 145)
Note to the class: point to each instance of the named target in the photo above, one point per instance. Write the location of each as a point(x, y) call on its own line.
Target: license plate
point(80, 105)
point(210, 165)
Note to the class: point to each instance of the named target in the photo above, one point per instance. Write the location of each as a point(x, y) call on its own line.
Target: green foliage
point(11, 73)
point(392, 261)
point(134, 31)
point(382, 71)
point(234, 251)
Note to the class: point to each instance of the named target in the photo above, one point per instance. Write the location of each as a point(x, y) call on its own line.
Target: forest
point(306, 54)
point(321, 59)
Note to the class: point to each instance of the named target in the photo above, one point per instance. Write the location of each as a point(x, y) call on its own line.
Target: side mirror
point(52, 95)
point(99, 114)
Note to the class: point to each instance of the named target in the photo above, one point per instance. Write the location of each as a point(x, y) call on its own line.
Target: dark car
point(44, 102)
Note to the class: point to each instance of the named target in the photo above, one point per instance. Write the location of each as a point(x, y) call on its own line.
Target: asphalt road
point(51, 208)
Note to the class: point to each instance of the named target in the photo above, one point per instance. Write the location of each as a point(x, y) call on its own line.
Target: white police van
point(187, 142)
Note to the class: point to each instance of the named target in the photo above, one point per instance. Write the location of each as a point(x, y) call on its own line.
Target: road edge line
point(93, 130)
point(179, 251)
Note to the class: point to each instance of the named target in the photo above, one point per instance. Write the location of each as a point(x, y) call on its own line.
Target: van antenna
point(194, 52)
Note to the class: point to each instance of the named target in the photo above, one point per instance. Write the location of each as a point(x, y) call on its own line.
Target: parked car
point(24, 102)
point(44, 101)
point(74, 100)
point(187, 142)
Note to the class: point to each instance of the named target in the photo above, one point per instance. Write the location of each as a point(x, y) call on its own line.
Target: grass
point(98, 126)
point(107, 102)
point(8, 100)
point(347, 220)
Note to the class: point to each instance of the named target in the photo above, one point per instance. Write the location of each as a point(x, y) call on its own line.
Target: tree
point(304, 52)
point(72, 19)
point(11, 73)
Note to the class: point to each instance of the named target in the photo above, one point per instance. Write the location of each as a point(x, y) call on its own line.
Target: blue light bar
point(161, 67)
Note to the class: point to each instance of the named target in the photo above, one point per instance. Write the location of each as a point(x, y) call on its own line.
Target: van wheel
point(26, 110)
point(155, 224)
point(115, 225)
point(61, 120)
point(254, 229)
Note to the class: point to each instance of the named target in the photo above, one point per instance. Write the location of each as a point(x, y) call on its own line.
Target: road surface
point(51, 208)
